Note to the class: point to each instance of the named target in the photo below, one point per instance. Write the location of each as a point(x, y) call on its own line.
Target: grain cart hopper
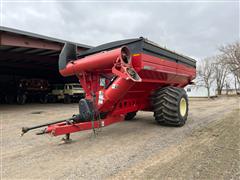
point(121, 78)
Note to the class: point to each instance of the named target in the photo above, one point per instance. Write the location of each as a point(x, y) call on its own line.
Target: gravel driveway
point(139, 148)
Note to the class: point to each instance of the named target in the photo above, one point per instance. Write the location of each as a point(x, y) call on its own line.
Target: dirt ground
point(207, 147)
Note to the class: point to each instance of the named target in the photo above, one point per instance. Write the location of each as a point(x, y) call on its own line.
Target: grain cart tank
point(121, 78)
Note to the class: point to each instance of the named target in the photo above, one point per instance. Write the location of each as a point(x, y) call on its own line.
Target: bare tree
point(236, 84)
point(221, 71)
point(205, 73)
point(231, 54)
point(227, 84)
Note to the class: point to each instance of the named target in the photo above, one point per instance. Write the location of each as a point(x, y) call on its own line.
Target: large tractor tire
point(21, 99)
point(130, 115)
point(170, 106)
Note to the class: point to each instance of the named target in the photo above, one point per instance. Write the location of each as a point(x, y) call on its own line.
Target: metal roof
point(24, 53)
point(34, 35)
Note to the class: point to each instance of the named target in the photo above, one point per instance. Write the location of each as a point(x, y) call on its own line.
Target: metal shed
point(28, 55)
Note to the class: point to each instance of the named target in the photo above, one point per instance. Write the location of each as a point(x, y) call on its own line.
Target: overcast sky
point(195, 29)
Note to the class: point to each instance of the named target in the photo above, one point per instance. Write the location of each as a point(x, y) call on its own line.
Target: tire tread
point(165, 106)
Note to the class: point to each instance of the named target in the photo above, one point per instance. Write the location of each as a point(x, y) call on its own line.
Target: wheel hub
point(183, 107)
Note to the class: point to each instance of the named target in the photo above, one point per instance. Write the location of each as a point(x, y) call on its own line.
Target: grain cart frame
point(121, 78)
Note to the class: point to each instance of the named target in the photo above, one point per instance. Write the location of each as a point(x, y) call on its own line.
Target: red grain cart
point(121, 78)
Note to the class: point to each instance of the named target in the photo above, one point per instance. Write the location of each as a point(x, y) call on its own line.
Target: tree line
point(222, 69)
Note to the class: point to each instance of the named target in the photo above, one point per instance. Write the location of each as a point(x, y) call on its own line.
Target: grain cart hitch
point(67, 121)
point(87, 112)
point(121, 78)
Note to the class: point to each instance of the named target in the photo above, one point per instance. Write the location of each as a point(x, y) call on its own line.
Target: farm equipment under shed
point(121, 78)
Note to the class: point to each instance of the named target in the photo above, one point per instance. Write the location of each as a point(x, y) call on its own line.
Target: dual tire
point(170, 106)
point(21, 99)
